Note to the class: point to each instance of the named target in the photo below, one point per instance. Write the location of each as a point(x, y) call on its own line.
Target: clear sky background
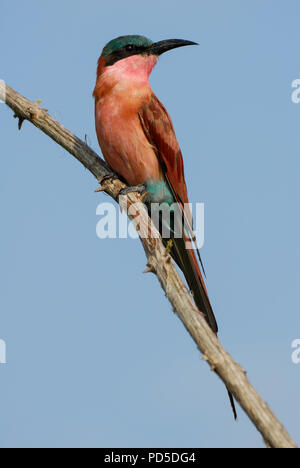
point(96, 357)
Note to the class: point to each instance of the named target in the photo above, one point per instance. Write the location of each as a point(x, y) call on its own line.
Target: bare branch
point(159, 263)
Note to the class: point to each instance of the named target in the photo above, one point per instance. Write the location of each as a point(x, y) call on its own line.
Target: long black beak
point(160, 47)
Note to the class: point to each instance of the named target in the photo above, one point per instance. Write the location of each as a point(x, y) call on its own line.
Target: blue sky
point(95, 356)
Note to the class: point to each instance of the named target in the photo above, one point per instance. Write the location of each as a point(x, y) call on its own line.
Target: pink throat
point(135, 69)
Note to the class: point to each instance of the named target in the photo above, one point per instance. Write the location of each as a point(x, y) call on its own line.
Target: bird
point(137, 139)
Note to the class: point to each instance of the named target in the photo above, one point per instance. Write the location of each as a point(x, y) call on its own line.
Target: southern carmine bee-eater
point(137, 139)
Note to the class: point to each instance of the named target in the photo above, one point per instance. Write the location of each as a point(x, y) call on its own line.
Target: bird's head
point(136, 52)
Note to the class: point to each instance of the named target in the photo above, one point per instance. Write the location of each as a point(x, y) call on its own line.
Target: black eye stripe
point(126, 51)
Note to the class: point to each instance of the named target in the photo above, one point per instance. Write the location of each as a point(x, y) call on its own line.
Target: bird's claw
point(135, 189)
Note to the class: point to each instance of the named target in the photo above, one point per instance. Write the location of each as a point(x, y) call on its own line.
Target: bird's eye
point(129, 48)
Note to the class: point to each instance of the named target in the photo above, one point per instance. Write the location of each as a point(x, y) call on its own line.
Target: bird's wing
point(159, 130)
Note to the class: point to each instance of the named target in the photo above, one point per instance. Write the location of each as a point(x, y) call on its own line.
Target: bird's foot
point(141, 189)
point(108, 177)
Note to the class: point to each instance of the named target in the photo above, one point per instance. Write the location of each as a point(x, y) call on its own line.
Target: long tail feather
point(187, 261)
point(190, 267)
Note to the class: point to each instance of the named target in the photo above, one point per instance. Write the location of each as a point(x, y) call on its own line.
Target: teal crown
point(123, 41)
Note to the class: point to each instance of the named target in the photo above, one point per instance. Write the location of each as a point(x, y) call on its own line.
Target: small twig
point(216, 356)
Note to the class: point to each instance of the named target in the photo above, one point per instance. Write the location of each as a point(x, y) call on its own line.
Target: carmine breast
point(121, 136)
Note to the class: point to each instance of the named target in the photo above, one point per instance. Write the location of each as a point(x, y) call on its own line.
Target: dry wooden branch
point(216, 356)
